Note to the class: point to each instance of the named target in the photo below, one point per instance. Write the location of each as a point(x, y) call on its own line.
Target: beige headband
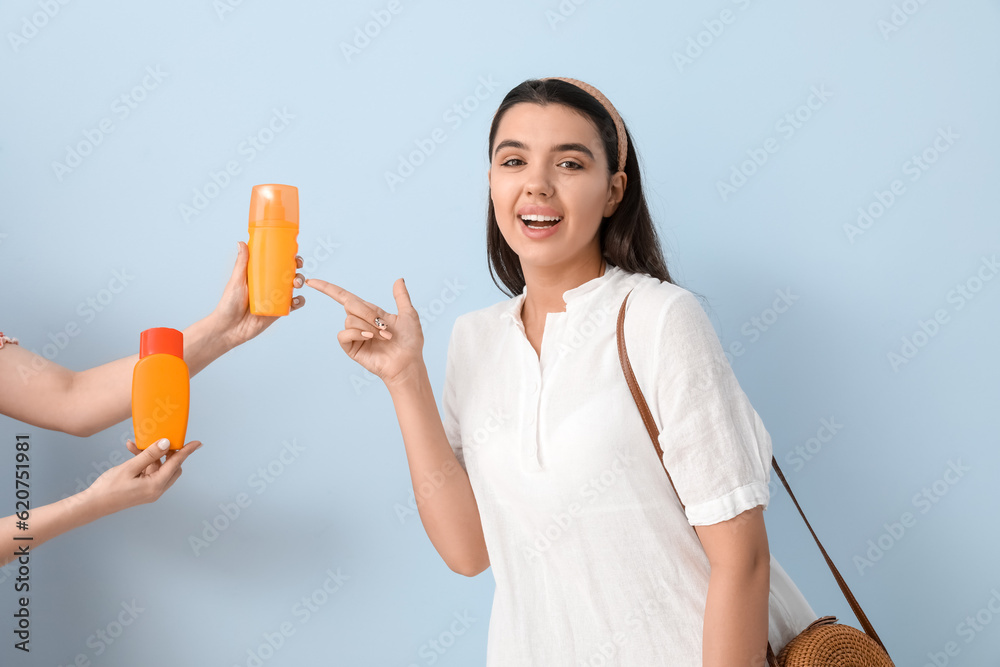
point(610, 108)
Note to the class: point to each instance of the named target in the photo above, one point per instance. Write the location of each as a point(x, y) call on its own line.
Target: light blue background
point(337, 504)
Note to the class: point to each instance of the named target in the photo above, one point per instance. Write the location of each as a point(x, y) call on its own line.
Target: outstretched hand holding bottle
point(40, 392)
point(139, 480)
point(45, 394)
point(391, 346)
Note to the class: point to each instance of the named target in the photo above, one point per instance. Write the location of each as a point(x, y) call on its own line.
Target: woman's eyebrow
point(580, 148)
point(509, 143)
point(559, 148)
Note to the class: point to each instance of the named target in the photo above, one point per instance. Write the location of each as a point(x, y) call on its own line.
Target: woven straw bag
point(824, 643)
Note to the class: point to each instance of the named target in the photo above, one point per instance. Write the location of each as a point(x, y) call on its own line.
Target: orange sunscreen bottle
point(161, 389)
point(274, 227)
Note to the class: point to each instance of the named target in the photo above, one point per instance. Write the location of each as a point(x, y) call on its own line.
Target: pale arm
point(444, 496)
point(449, 512)
point(42, 393)
point(136, 481)
point(736, 616)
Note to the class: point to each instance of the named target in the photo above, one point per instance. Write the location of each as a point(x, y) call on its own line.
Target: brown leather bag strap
point(647, 420)
point(855, 606)
point(771, 660)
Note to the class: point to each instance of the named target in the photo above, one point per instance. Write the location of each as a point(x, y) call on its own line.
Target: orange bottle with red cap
point(161, 389)
point(274, 228)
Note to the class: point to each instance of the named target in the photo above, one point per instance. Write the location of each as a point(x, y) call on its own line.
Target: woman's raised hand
point(392, 351)
point(233, 314)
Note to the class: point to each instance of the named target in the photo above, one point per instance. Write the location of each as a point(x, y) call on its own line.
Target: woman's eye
point(517, 162)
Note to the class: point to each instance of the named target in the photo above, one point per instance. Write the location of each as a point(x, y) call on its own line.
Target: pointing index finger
point(338, 294)
point(352, 304)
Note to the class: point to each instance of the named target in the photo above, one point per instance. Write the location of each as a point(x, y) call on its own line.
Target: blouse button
point(535, 387)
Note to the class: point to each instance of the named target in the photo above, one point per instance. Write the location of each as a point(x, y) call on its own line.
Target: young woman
point(549, 475)
point(42, 393)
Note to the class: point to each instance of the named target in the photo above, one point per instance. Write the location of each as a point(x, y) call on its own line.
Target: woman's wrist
point(205, 341)
point(412, 378)
point(82, 508)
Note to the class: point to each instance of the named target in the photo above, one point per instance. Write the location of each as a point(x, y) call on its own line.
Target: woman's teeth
point(545, 221)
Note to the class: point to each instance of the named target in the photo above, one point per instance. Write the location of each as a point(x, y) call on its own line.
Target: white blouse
point(594, 559)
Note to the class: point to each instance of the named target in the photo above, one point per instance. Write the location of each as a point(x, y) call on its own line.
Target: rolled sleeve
point(714, 444)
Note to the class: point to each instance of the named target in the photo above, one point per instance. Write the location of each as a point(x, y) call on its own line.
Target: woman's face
point(549, 162)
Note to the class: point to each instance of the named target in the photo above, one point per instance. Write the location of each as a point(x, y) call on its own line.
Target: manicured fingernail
point(385, 334)
point(163, 443)
point(367, 334)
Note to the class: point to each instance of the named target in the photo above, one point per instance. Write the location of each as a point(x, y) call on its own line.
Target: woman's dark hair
point(628, 238)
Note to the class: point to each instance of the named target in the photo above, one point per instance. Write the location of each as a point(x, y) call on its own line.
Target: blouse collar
point(571, 297)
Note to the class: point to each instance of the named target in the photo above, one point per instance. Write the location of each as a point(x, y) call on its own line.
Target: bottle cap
point(274, 205)
point(161, 340)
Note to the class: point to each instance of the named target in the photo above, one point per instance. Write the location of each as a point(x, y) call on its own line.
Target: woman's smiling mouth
point(537, 226)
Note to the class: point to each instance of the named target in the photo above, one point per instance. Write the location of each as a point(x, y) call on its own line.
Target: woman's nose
point(538, 181)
